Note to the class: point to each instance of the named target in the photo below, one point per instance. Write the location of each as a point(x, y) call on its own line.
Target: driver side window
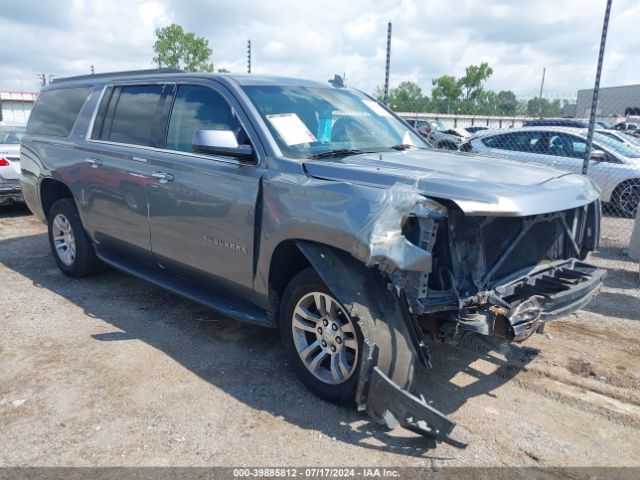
point(199, 108)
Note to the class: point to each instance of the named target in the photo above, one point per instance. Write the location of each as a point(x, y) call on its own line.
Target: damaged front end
point(506, 276)
point(393, 349)
point(440, 271)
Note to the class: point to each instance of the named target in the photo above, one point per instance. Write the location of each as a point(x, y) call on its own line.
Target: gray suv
point(314, 209)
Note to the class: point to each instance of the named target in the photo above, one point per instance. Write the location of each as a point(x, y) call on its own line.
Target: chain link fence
point(557, 138)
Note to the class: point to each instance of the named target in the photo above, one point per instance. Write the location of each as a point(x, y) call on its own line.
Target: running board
point(220, 302)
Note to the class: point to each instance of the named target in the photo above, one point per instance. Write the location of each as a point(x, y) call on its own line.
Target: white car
point(10, 164)
point(622, 137)
point(615, 167)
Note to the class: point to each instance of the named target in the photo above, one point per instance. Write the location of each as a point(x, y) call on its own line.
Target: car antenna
point(337, 81)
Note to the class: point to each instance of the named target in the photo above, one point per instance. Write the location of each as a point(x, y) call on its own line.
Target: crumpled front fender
point(393, 348)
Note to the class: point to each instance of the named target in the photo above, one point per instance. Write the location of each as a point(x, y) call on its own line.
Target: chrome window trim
point(164, 150)
point(95, 113)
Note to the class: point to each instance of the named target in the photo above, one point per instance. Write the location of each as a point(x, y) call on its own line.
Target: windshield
point(616, 146)
point(312, 121)
point(11, 135)
point(438, 126)
point(631, 139)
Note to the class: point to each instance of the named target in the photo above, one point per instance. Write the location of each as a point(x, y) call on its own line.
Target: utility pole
point(248, 56)
point(43, 79)
point(596, 89)
point(386, 70)
point(92, 70)
point(544, 71)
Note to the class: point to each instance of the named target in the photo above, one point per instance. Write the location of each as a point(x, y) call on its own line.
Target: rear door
point(527, 146)
point(116, 175)
point(202, 213)
point(568, 151)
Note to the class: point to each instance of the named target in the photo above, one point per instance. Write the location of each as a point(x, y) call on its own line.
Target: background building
point(612, 101)
point(15, 107)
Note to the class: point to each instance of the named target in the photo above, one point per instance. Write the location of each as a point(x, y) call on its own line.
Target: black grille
point(536, 245)
point(487, 250)
point(534, 239)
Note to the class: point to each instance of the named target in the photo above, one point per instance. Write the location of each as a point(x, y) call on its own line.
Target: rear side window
point(55, 111)
point(531, 142)
point(496, 141)
point(131, 114)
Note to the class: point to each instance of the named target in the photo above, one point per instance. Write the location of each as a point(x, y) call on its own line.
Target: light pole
point(596, 89)
point(386, 70)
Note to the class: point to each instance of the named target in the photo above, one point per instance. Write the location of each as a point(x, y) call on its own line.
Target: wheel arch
point(287, 260)
point(52, 190)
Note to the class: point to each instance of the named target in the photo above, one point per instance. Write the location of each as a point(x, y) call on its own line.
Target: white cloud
point(318, 39)
point(153, 14)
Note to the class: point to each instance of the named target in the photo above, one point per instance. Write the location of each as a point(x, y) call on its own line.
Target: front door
point(202, 207)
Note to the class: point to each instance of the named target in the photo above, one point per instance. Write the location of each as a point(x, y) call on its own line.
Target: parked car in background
point(313, 209)
point(622, 137)
point(604, 124)
point(475, 129)
point(449, 139)
point(626, 126)
point(425, 127)
point(556, 122)
point(10, 137)
point(438, 135)
point(615, 167)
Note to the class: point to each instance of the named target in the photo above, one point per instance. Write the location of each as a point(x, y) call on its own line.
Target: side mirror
point(221, 142)
point(598, 156)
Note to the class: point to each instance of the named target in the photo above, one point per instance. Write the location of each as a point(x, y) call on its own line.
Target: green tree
point(484, 103)
point(406, 97)
point(445, 93)
point(506, 103)
point(175, 48)
point(474, 78)
point(545, 109)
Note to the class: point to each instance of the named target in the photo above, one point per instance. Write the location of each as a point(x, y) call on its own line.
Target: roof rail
point(129, 73)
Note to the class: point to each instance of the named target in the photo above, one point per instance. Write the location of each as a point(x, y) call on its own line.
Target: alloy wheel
point(63, 239)
point(325, 338)
point(629, 199)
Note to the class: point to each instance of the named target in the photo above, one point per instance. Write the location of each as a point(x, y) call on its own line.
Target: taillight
point(4, 162)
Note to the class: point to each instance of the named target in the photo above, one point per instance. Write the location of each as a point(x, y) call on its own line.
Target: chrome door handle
point(94, 162)
point(162, 177)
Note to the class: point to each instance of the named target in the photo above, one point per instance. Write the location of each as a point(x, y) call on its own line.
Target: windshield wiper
point(404, 146)
point(336, 153)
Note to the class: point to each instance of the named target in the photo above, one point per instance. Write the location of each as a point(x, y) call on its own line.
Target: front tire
point(322, 342)
point(70, 245)
point(626, 198)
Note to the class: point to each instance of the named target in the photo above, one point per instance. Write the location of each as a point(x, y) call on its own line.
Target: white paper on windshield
point(292, 130)
point(377, 108)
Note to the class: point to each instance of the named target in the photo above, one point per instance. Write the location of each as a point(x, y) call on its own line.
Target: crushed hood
point(478, 185)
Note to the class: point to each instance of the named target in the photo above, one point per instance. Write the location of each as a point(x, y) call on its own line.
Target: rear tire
point(71, 247)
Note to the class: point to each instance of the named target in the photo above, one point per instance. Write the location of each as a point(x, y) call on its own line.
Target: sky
point(316, 40)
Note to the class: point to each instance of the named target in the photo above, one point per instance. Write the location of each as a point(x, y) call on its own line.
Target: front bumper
point(559, 292)
point(517, 310)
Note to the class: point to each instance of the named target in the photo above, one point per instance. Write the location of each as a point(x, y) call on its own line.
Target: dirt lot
point(113, 371)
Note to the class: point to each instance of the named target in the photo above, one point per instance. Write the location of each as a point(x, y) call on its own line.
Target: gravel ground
point(113, 371)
